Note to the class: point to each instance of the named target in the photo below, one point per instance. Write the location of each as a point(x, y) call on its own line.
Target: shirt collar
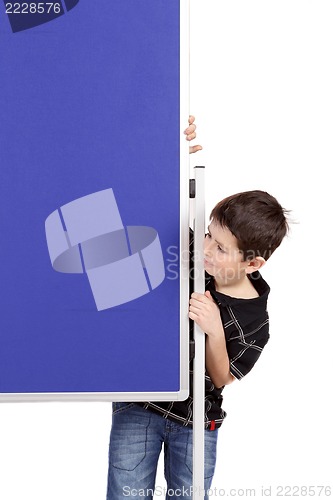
point(250, 308)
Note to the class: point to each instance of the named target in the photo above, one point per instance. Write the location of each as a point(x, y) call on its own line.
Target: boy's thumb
point(207, 293)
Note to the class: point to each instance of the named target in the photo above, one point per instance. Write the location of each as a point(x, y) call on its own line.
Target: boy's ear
point(255, 264)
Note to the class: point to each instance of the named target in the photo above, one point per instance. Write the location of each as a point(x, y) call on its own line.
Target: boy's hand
point(204, 311)
point(191, 134)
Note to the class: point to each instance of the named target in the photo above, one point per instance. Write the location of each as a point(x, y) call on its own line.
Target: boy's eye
point(208, 235)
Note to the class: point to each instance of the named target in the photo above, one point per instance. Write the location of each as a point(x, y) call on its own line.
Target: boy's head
point(256, 219)
point(245, 228)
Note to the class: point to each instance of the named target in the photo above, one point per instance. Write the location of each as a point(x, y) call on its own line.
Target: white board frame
point(183, 393)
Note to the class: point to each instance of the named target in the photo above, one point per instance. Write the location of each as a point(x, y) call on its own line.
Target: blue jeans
point(135, 445)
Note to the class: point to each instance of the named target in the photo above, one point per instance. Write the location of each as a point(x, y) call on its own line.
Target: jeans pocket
point(128, 440)
point(210, 453)
point(118, 407)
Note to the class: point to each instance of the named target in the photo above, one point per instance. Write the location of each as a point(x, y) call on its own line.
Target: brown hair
point(256, 219)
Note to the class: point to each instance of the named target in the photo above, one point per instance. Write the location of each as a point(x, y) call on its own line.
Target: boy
point(244, 231)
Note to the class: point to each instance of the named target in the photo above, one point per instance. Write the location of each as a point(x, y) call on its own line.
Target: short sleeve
point(245, 350)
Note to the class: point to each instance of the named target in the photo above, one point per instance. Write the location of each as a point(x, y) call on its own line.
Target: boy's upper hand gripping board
point(190, 133)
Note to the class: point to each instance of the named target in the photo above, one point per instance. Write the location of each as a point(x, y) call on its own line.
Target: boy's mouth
point(207, 263)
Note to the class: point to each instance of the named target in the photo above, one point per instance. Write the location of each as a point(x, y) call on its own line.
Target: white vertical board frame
point(199, 340)
point(184, 165)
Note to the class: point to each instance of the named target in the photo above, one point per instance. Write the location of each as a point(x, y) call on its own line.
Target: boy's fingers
point(190, 130)
point(190, 133)
point(193, 316)
point(196, 302)
point(190, 137)
point(194, 310)
point(200, 297)
point(194, 149)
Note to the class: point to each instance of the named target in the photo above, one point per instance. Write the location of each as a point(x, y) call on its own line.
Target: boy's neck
point(241, 289)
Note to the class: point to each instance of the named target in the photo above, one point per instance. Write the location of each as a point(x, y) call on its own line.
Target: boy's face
point(223, 259)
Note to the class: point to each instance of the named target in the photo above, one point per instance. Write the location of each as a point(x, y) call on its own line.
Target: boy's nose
point(207, 249)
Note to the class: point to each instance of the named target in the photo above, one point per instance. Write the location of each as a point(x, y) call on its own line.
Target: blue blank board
point(89, 97)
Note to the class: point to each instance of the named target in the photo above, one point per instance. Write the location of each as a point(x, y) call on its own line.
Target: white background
point(261, 90)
